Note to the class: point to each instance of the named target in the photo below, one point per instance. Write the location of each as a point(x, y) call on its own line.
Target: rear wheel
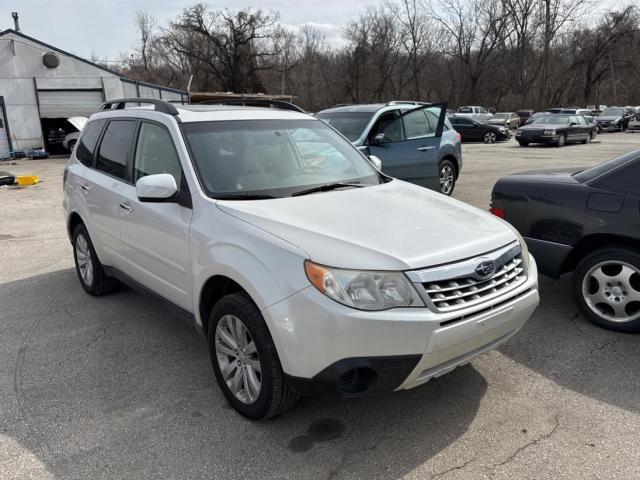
point(606, 284)
point(447, 177)
point(561, 140)
point(245, 360)
point(88, 267)
point(490, 137)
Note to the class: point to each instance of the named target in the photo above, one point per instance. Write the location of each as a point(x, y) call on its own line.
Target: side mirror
point(572, 124)
point(156, 188)
point(376, 162)
point(379, 139)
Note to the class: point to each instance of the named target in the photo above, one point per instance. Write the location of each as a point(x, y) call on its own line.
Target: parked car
point(505, 119)
point(555, 110)
point(634, 123)
point(471, 130)
point(308, 273)
point(71, 138)
point(584, 221)
point(524, 115)
point(414, 141)
point(614, 118)
point(479, 114)
point(556, 129)
point(587, 114)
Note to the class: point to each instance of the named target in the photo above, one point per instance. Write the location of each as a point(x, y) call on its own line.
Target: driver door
point(409, 146)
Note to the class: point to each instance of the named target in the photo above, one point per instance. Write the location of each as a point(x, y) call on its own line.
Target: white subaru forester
point(309, 271)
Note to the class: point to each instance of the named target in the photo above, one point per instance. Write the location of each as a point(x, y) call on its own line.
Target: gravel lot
point(115, 387)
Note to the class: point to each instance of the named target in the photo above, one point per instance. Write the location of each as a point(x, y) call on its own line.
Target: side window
point(155, 153)
point(88, 141)
point(482, 110)
point(415, 125)
point(114, 148)
point(387, 124)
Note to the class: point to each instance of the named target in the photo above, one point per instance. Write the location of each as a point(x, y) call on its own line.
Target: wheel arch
point(594, 242)
point(74, 220)
point(454, 161)
point(216, 287)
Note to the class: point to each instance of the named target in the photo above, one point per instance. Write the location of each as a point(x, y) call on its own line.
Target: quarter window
point(88, 141)
point(155, 153)
point(114, 149)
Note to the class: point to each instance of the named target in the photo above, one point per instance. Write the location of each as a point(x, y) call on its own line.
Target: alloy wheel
point(490, 137)
point(447, 179)
point(611, 290)
point(83, 259)
point(238, 359)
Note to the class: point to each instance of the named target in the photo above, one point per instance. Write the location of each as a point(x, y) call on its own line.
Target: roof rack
point(405, 102)
point(161, 106)
point(252, 102)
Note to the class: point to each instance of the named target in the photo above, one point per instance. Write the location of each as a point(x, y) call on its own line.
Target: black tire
point(608, 257)
point(447, 176)
point(523, 143)
point(100, 283)
point(275, 396)
point(562, 140)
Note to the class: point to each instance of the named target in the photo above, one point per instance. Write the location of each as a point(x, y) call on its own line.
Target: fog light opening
point(357, 380)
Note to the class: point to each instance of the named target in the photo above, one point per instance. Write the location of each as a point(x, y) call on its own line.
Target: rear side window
point(88, 141)
point(114, 148)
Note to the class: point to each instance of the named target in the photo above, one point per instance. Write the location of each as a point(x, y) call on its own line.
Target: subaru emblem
point(485, 269)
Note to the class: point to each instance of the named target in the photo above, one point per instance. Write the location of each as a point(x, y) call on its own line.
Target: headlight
point(503, 130)
point(549, 132)
point(364, 290)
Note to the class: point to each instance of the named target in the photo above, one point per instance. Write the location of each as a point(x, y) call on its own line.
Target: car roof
point(209, 113)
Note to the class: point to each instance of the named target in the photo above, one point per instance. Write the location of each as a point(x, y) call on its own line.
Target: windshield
point(349, 124)
point(612, 112)
point(465, 110)
point(273, 158)
point(553, 119)
point(593, 172)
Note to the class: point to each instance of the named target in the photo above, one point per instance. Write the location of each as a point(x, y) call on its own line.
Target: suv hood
point(392, 226)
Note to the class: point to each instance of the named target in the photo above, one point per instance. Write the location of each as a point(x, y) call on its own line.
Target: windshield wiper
point(243, 196)
point(326, 187)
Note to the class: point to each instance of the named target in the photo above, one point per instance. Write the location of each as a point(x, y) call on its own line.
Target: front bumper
point(549, 139)
point(322, 344)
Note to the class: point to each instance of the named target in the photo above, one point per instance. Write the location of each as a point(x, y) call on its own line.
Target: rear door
point(416, 155)
point(104, 184)
point(155, 235)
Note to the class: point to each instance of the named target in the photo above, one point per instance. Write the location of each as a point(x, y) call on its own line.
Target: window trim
point(98, 142)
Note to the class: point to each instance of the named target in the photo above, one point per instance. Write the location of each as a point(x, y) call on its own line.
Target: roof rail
point(405, 102)
point(253, 102)
point(119, 104)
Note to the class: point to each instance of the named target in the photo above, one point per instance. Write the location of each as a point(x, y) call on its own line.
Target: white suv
point(309, 271)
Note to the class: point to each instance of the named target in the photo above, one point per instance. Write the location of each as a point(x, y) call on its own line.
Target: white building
point(41, 86)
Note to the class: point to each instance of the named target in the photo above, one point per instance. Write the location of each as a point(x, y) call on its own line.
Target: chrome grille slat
point(456, 293)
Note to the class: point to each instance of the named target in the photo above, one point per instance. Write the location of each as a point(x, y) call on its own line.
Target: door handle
point(126, 206)
point(85, 187)
point(426, 148)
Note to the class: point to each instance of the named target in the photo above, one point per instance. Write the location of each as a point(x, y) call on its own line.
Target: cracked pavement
point(115, 387)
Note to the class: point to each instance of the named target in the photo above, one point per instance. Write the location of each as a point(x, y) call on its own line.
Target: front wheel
point(561, 140)
point(447, 177)
point(606, 284)
point(245, 360)
point(490, 137)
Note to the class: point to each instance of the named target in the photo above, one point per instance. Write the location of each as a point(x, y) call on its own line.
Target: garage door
point(69, 103)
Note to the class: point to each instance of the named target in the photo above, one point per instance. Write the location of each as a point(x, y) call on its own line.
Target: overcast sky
point(105, 27)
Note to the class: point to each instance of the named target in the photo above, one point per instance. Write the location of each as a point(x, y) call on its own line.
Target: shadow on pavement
point(560, 344)
point(116, 387)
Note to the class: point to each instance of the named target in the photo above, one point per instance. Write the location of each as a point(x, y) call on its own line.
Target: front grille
point(532, 133)
point(448, 295)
